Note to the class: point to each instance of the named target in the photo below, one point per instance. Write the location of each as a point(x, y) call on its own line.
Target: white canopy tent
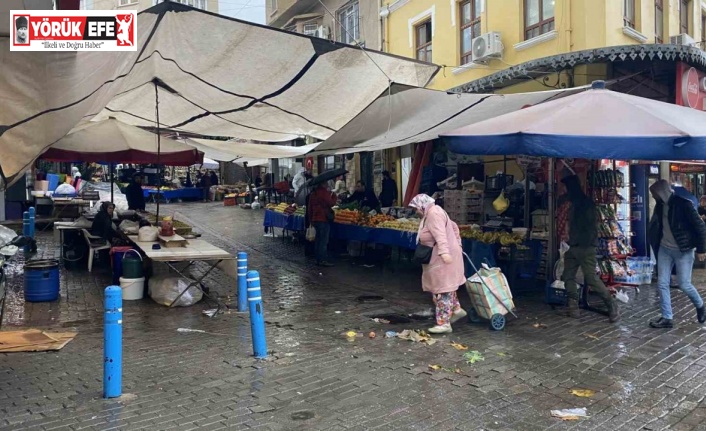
point(231, 151)
point(211, 74)
point(409, 115)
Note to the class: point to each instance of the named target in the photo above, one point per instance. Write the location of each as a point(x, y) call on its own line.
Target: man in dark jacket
point(364, 197)
point(675, 232)
point(583, 236)
point(134, 194)
point(388, 195)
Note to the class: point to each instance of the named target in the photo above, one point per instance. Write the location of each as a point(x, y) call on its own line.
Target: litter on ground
point(570, 414)
point(417, 336)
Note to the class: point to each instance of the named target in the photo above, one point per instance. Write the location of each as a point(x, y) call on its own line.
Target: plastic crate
point(229, 202)
point(554, 296)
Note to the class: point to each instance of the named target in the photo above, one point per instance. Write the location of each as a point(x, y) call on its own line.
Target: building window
point(659, 20)
point(423, 38)
point(629, 13)
point(470, 28)
point(311, 28)
point(684, 16)
point(539, 17)
point(348, 30)
point(126, 2)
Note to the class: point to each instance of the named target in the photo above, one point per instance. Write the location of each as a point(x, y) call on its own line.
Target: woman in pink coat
point(444, 273)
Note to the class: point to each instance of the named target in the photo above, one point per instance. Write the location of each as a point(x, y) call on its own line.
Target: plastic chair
point(95, 244)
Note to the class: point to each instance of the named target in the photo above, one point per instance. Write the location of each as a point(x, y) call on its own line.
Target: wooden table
point(197, 250)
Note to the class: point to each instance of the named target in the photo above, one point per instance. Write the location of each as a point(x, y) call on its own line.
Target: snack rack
point(608, 184)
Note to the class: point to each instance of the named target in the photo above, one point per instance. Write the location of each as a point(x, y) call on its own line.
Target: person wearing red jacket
point(320, 215)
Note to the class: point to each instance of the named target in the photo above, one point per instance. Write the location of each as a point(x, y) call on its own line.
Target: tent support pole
point(527, 201)
point(112, 182)
point(159, 150)
point(551, 210)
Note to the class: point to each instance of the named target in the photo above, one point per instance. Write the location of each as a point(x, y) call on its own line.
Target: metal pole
point(159, 150)
point(551, 209)
point(112, 181)
point(25, 229)
point(242, 282)
point(113, 342)
point(257, 315)
point(527, 201)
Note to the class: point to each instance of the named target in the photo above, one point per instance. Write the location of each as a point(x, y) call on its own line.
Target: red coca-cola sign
point(690, 88)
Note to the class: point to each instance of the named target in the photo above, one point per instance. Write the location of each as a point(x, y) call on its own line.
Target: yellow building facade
point(442, 31)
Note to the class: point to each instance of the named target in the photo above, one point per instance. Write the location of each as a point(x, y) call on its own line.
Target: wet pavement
point(318, 379)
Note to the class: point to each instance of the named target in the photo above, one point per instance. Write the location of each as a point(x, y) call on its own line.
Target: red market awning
point(111, 141)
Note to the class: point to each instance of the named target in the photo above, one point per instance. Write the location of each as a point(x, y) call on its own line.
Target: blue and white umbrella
point(594, 124)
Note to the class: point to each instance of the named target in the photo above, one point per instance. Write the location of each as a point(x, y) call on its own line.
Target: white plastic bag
point(130, 227)
point(310, 233)
point(148, 234)
point(164, 289)
point(559, 267)
point(622, 297)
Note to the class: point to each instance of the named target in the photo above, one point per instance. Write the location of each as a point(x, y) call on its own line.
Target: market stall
point(596, 145)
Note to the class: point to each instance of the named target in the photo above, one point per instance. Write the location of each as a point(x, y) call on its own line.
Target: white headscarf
point(422, 202)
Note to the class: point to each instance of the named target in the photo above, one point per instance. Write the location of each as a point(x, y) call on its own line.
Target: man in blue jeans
point(676, 234)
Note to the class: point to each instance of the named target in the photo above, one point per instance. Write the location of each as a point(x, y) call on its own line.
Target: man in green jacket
point(583, 237)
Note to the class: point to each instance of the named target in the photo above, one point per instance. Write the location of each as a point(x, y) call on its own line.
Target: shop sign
point(528, 161)
point(691, 87)
point(687, 169)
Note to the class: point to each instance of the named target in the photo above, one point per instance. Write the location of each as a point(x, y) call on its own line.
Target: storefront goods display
point(280, 208)
point(346, 216)
point(377, 220)
point(502, 238)
point(401, 224)
point(608, 189)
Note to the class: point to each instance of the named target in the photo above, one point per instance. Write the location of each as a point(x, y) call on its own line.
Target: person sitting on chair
point(104, 227)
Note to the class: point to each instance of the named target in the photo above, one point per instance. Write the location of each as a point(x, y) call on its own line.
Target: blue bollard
point(257, 315)
point(113, 342)
point(242, 281)
point(25, 229)
point(32, 216)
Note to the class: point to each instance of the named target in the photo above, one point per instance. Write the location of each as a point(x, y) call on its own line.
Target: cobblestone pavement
point(316, 379)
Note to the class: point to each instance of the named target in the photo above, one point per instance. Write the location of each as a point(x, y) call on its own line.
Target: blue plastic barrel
point(41, 280)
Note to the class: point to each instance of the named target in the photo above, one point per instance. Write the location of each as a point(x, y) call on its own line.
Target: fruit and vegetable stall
point(357, 225)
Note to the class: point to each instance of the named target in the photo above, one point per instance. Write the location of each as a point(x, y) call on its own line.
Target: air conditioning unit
point(486, 47)
point(682, 39)
point(323, 32)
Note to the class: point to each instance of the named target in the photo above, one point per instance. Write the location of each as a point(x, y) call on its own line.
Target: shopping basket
point(490, 296)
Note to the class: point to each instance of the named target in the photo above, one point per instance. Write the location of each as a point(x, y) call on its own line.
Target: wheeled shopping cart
point(490, 296)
